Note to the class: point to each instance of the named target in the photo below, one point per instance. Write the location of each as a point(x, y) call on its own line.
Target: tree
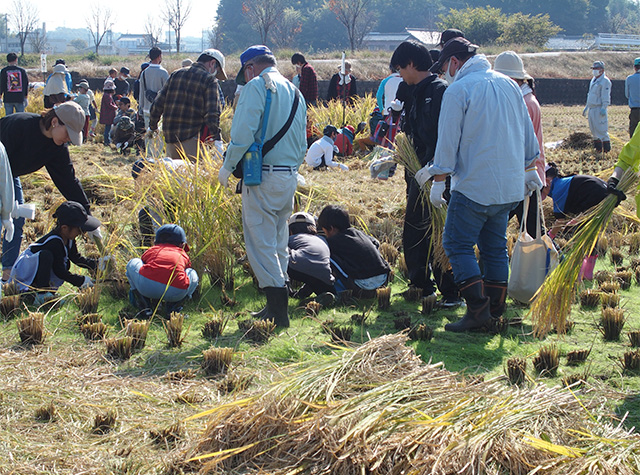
point(176, 13)
point(263, 15)
point(356, 16)
point(527, 29)
point(288, 27)
point(99, 22)
point(480, 25)
point(38, 40)
point(25, 17)
point(78, 44)
point(152, 31)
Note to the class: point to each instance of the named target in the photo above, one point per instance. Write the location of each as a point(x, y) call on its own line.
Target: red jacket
point(108, 109)
point(166, 263)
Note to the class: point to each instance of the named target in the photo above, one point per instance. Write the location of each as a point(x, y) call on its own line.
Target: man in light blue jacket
point(266, 207)
point(487, 144)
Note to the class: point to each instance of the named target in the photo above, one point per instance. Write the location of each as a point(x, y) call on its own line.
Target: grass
point(157, 386)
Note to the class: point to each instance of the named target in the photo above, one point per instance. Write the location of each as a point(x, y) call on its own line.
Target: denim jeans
point(11, 250)
point(106, 136)
point(470, 223)
point(11, 107)
point(157, 290)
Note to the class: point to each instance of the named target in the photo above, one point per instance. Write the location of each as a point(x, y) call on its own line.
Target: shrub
point(526, 29)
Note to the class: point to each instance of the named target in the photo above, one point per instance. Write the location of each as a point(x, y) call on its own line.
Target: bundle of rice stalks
point(226, 300)
point(389, 252)
point(552, 303)
point(428, 304)
point(119, 289)
point(9, 305)
point(137, 330)
point(609, 300)
point(313, 308)
point(10, 288)
point(603, 276)
point(617, 257)
point(87, 299)
point(214, 327)
point(625, 278)
point(402, 267)
point(577, 141)
point(339, 113)
point(610, 286)
point(575, 380)
point(590, 298)
point(94, 331)
point(338, 332)
point(46, 413)
point(104, 422)
point(345, 297)
point(119, 348)
point(216, 360)
point(421, 332)
point(233, 382)
point(406, 156)
point(31, 329)
point(173, 329)
point(402, 322)
point(260, 331)
point(634, 244)
point(631, 360)
point(169, 435)
point(180, 375)
point(577, 356)
point(412, 294)
point(547, 361)
point(634, 264)
point(379, 409)
point(611, 323)
point(634, 338)
point(88, 318)
point(384, 297)
point(516, 370)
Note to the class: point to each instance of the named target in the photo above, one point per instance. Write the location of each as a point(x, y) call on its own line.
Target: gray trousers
point(265, 211)
point(598, 124)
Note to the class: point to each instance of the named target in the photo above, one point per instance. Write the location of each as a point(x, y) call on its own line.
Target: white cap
point(510, 64)
point(212, 53)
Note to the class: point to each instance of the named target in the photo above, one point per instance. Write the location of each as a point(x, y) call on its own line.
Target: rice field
point(297, 401)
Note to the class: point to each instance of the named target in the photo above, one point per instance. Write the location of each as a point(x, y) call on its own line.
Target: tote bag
point(532, 258)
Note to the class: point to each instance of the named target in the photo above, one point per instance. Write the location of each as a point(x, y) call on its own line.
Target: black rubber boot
point(497, 293)
point(477, 315)
point(606, 146)
point(597, 144)
point(277, 305)
point(261, 313)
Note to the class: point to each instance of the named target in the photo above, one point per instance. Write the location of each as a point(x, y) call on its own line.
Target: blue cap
point(636, 62)
point(248, 55)
point(171, 234)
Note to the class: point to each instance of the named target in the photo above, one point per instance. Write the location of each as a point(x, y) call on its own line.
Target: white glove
point(7, 224)
point(423, 175)
point(219, 146)
point(532, 180)
point(300, 179)
point(87, 282)
point(104, 261)
point(223, 177)
point(584, 111)
point(151, 133)
point(27, 210)
point(95, 234)
point(336, 149)
point(25, 102)
point(437, 190)
point(343, 166)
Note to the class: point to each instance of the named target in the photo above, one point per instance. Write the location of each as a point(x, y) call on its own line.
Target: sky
point(130, 16)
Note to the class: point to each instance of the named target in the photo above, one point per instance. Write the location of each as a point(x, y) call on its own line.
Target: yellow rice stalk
point(552, 303)
point(354, 111)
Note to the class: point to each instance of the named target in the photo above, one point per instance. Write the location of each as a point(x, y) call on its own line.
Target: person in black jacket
point(343, 86)
point(34, 141)
point(413, 61)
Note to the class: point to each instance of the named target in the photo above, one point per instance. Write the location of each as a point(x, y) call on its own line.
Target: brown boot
point(497, 293)
point(477, 316)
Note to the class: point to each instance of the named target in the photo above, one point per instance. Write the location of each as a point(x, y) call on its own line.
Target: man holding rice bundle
point(487, 144)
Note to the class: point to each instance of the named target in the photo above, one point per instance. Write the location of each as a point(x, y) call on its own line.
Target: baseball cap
point(72, 213)
point(598, 65)
point(449, 34)
point(248, 55)
point(84, 83)
point(124, 70)
point(636, 62)
point(302, 217)
point(452, 47)
point(72, 116)
point(171, 234)
point(210, 54)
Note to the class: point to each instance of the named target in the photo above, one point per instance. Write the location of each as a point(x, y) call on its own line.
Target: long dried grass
point(379, 409)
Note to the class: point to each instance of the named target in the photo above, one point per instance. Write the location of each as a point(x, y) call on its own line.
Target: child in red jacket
point(164, 272)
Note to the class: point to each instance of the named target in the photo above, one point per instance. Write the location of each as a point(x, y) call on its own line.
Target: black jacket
point(424, 115)
point(357, 254)
point(62, 259)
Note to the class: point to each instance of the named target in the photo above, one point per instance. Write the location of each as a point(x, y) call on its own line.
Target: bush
point(533, 30)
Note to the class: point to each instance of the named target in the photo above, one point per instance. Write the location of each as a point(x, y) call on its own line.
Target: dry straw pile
point(379, 409)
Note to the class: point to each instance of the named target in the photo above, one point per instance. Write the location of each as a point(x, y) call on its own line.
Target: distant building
point(389, 41)
point(569, 43)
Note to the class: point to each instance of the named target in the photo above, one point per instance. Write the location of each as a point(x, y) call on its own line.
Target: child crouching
point(164, 272)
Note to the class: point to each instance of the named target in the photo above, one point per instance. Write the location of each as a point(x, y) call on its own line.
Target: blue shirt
point(632, 89)
point(485, 135)
point(246, 127)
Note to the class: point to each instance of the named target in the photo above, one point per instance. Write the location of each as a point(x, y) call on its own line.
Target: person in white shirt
point(598, 100)
point(320, 154)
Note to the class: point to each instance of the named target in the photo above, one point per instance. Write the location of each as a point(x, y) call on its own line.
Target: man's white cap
point(217, 55)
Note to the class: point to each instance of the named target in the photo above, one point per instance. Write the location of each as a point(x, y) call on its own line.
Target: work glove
point(219, 147)
point(612, 183)
point(223, 177)
point(603, 111)
point(585, 111)
point(23, 211)
point(95, 234)
point(104, 261)
point(612, 189)
point(343, 166)
point(422, 176)
point(151, 133)
point(300, 180)
point(86, 283)
point(532, 180)
point(7, 224)
point(437, 190)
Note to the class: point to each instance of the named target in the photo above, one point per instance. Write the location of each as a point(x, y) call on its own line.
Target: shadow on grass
point(630, 410)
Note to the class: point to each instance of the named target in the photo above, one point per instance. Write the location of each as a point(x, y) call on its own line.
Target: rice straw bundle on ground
point(552, 303)
point(603, 276)
point(428, 304)
point(609, 300)
point(88, 299)
point(634, 338)
point(173, 329)
point(516, 370)
point(216, 360)
point(610, 286)
point(213, 328)
point(313, 308)
point(624, 278)
point(119, 348)
point(611, 323)
point(137, 330)
point(379, 409)
point(547, 360)
point(384, 297)
point(9, 305)
point(631, 360)
point(577, 356)
point(94, 331)
point(31, 329)
point(590, 298)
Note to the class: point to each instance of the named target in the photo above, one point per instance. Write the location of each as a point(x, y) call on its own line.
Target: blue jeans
point(11, 107)
point(11, 250)
point(156, 290)
point(470, 223)
point(106, 136)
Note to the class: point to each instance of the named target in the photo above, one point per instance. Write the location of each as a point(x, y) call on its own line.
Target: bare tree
point(99, 22)
point(152, 31)
point(356, 16)
point(25, 17)
point(38, 40)
point(288, 27)
point(263, 15)
point(176, 13)
point(214, 36)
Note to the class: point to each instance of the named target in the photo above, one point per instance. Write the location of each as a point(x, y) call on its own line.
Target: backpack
point(148, 94)
point(386, 130)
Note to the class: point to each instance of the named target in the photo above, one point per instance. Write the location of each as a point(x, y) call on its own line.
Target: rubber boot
point(606, 146)
point(586, 271)
point(260, 314)
point(277, 305)
point(497, 293)
point(477, 315)
point(597, 145)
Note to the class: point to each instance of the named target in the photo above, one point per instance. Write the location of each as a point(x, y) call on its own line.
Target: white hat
point(59, 68)
point(302, 217)
point(72, 116)
point(217, 55)
point(510, 64)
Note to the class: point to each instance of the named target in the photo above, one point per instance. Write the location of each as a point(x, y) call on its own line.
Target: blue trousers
point(156, 290)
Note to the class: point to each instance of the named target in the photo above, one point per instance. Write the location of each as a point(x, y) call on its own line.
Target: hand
point(612, 189)
point(532, 180)
point(23, 211)
point(95, 234)
point(612, 183)
point(437, 190)
point(103, 262)
point(422, 176)
point(151, 133)
point(7, 224)
point(343, 166)
point(219, 147)
point(585, 111)
point(223, 177)
point(551, 233)
point(603, 111)
point(87, 283)
point(25, 102)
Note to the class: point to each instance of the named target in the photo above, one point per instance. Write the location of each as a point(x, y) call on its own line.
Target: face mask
point(447, 75)
point(596, 73)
